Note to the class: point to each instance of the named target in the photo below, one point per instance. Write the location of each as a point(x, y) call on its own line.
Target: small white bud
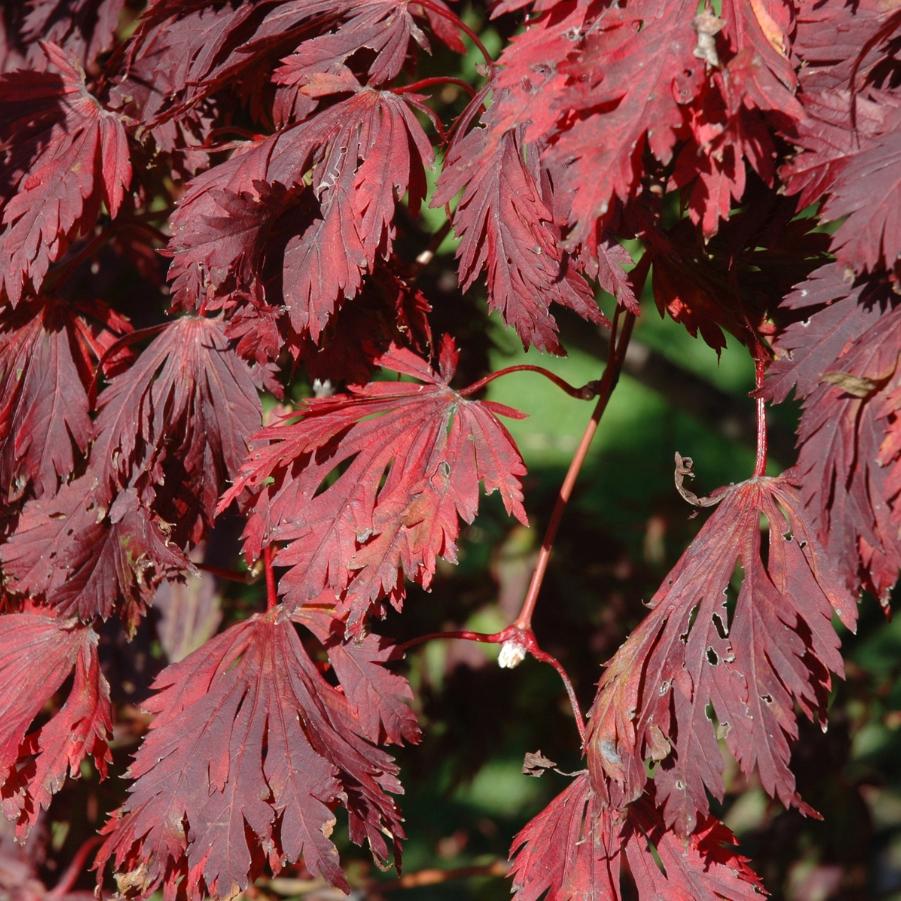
point(511, 655)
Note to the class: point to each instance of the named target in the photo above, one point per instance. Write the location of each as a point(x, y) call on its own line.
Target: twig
point(230, 575)
point(586, 392)
point(74, 870)
point(760, 462)
point(271, 593)
point(605, 390)
point(435, 80)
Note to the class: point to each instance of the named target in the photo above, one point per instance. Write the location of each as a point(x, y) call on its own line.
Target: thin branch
point(526, 640)
point(74, 870)
point(271, 593)
point(760, 462)
point(435, 80)
point(586, 392)
point(435, 876)
point(464, 634)
point(551, 660)
point(605, 390)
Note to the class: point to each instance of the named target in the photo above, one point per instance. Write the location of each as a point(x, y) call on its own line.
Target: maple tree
point(263, 177)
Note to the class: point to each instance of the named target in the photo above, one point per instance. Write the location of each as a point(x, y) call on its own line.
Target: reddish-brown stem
point(230, 575)
point(466, 635)
point(74, 870)
point(271, 593)
point(586, 392)
point(760, 462)
point(525, 638)
point(459, 23)
point(435, 80)
point(605, 390)
point(551, 660)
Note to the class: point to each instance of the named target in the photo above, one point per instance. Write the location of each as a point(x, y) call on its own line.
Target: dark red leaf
point(360, 157)
point(274, 748)
point(62, 172)
point(38, 652)
point(753, 665)
point(505, 227)
point(407, 459)
point(187, 402)
point(842, 359)
point(44, 421)
point(577, 849)
point(86, 559)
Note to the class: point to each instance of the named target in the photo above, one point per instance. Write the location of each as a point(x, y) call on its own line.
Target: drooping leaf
point(274, 749)
point(578, 849)
point(44, 421)
point(506, 227)
point(698, 659)
point(367, 487)
point(360, 156)
point(87, 559)
point(842, 358)
point(62, 168)
point(182, 413)
point(38, 652)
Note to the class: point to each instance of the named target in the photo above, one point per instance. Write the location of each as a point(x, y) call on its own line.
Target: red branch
point(74, 870)
point(271, 593)
point(760, 463)
point(525, 638)
point(586, 392)
point(605, 388)
point(435, 80)
point(230, 575)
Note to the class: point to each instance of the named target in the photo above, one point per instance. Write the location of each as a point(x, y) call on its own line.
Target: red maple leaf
point(38, 652)
point(752, 664)
point(382, 27)
point(360, 156)
point(188, 405)
point(44, 421)
point(577, 848)
point(366, 487)
point(82, 28)
point(62, 171)
point(842, 359)
point(274, 748)
point(87, 559)
point(506, 227)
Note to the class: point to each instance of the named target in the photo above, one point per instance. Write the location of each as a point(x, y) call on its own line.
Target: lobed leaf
point(275, 748)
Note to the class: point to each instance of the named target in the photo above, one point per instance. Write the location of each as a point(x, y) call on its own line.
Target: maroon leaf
point(38, 652)
point(843, 360)
point(576, 848)
point(44, 421)
point(505, 227)
point(378, 698)
point(188, 402)
point(85, 559)
point(274, 748)
point(753, 665)
point(360, 156)
point(63, 171)
point(82, 28)
point(407, 459)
